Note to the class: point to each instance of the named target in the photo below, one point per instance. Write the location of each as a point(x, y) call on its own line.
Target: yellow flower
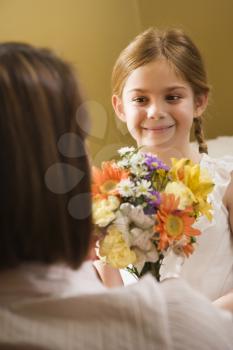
point(103, 210)
point(115, 250)
point(182, 192)
point(205, 208)
point(197, 180)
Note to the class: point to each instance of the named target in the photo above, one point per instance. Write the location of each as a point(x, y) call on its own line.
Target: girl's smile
point(158, 129)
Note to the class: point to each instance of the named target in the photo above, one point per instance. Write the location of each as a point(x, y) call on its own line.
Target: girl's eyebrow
point(175, 87)
point(137, 90)
point(166, 89)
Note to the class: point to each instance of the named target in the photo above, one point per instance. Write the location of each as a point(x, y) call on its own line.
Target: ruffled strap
point(220, 170)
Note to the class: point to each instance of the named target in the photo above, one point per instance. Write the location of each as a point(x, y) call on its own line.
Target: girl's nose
point(153, 112)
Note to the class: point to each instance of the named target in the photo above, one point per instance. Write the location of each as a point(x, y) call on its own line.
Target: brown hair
point(179, 50)
point(39, 98)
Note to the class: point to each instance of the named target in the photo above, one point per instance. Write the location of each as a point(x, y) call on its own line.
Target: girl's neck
point(189, 152)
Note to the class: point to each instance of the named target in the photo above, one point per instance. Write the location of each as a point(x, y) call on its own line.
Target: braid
point(199, 135)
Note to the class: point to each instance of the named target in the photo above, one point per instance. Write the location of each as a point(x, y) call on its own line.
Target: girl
point(160, 90)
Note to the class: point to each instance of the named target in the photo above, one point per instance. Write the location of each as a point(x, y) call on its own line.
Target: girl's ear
point(118, 107)
point(201, 103)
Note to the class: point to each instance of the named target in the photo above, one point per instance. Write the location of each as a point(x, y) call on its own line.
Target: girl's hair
point(179, 50)
point(39, 98)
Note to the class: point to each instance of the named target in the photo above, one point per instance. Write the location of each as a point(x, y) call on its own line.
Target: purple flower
point(154, 163)
point(154, 200)
point(149, 210)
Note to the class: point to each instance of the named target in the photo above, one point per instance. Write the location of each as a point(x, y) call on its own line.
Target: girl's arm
point(109, 276)
point(226, 301)
point(229, 202)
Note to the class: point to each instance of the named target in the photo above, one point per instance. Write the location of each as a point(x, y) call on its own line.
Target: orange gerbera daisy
point(188, 249)
point(172, 223)
point(106, 179)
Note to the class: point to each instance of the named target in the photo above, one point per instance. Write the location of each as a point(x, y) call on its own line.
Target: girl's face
point(158, 107)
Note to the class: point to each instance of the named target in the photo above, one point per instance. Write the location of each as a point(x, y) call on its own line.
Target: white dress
point(57, 308)
point(210, 268)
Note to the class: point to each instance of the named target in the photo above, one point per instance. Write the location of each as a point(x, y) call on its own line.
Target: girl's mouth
point(158, 128)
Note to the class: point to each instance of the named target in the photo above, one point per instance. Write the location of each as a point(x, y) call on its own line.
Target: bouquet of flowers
point(145, 210)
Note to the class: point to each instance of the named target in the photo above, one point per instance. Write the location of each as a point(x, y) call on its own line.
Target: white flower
point(123, 163)
point(137, 160)
point(129, 218)
point(136, 216)
point(126, 188)
point(139, 171)
point(143, 187)
point(137, 165)
point(122, 223)
point(142, 238)
point(122, 151)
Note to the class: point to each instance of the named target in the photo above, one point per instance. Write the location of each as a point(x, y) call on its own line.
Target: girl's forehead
point(157, 74)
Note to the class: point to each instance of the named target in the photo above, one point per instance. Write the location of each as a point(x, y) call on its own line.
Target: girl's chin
point(159, 146)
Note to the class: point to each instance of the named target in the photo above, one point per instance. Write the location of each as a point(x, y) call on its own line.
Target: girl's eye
point(173, 98)
point(141, 99)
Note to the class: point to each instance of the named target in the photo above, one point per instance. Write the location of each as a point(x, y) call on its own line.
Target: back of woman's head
point(39, 98)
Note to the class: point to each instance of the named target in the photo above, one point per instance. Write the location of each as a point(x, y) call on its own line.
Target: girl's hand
point(225, 302)
point(108, 275)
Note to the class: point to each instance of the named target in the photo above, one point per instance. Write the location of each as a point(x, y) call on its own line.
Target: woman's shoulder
point(125, 315)
point(181, 297)
point(176, 306)
point(190, 312)
point(138, 296)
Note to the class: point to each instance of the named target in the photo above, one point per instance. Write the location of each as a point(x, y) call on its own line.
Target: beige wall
point(91, 33)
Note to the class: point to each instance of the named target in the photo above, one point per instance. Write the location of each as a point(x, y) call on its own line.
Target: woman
point(50, 297)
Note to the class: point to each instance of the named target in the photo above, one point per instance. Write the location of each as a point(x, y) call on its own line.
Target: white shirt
point(59, 308)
